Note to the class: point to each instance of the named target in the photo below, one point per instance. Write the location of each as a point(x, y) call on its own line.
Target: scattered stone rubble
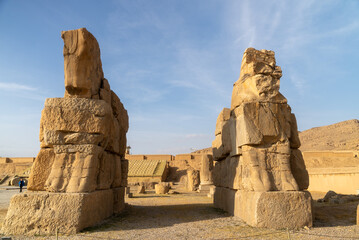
point(259, 172)
point(162, 188)
point(80, 174)
point(334, 198)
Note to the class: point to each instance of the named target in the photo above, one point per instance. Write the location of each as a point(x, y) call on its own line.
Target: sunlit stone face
point(83, 68)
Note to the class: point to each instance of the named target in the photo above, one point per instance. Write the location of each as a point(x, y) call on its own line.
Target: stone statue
point(80, 172)
point(256, 144)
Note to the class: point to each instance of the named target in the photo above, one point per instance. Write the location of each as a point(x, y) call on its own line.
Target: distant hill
point(338, 136)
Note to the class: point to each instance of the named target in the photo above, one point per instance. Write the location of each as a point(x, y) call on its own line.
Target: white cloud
point(197, 135)
point(15, 87)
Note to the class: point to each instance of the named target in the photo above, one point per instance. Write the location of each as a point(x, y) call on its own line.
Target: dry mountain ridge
point(339, 136)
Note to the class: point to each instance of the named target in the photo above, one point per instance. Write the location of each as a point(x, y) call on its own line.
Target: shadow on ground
point(331, 215)
point(147, 217)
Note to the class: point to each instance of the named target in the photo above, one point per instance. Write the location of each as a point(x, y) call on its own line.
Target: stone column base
point(205, 187)
point(41, 213)
point(277, 209)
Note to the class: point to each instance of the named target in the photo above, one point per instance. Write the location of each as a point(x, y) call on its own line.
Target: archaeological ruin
point(259, 173)
point(80, 174)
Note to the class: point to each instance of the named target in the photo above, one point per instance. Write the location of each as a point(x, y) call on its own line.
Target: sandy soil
point(192, 216)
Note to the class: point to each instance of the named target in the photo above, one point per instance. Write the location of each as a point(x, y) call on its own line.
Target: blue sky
point(173, 63)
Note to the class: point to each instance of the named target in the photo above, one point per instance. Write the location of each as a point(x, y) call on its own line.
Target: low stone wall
point(331, 159)
point(14, 168)
point(144, 179)
point(17, 160)
point(164, 157)
point(343, 180)
point(333, 170)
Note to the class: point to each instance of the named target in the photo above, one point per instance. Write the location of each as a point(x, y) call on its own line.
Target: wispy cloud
point(197, 135)
point(15, 87)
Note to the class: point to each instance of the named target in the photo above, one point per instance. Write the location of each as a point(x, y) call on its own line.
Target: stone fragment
point(141, 189)
point(259, 79)
point(162, 188)
point(83, 67)
point(193, 180)
point(275, 209)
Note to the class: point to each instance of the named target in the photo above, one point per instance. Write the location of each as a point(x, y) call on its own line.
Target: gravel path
point(192, 216)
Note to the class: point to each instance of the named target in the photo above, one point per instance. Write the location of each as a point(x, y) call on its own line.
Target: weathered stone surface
point(107, 170)
point(259, 79)
point(76, 115)
point(118, 173)
point(41, 212)
point(162, 188)
point(193, 179)
point(224, 198)
point(223, 116)
point(222, 145)
point(119, 200)
point(83, 67)
point(83, 141)
point(75, 168)
point(40, 170)
point(276, 209)
point(256, 144)
point(263, 123)
point(121, 115)
point(124, 172)
point(298, 168)
point(54, 137)
point(206, 169)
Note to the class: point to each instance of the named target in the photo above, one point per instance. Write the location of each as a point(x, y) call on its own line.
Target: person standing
point(21, 184)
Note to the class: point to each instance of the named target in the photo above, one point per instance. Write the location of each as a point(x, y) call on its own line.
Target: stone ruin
point(80, 174)
point(259, 171)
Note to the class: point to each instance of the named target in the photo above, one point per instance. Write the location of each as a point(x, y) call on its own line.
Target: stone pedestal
point(205, 188)
point(41, 213)
point(277, 209)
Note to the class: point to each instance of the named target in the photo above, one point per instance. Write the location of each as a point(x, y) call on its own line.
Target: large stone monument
point(260, 173)
point(80, 174)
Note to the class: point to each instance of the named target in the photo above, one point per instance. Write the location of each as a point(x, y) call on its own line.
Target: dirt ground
point(192, 216)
